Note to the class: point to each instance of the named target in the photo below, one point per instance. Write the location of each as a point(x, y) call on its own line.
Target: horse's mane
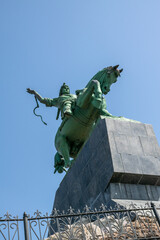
point(100, 76)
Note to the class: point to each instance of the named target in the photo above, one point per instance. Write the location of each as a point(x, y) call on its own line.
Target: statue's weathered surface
point(79, 114)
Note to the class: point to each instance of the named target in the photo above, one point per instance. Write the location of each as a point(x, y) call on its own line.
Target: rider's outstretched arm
point(47, 101)
point(36, 95)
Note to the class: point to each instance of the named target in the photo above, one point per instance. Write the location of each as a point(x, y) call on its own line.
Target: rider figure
point(64, 102)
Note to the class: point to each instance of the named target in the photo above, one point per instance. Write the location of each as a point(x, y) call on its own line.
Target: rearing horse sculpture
point(88, 105)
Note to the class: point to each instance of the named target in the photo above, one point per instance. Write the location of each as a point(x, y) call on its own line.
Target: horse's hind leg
point(63, 148)
point(58, 163)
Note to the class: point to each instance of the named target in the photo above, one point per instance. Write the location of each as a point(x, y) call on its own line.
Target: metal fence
point(132, 222)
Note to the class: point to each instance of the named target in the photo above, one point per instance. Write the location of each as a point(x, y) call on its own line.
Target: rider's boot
point(67, 111)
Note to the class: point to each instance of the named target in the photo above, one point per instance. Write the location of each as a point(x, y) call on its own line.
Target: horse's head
point(107, 77)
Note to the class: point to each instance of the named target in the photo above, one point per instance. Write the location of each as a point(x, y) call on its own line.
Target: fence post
point(155, 212)
point(26, 230)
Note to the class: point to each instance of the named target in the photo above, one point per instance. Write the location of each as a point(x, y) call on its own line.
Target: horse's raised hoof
point(67, 164)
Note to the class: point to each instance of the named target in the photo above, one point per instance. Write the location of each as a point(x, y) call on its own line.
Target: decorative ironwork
point(9, 227)
point(117, 223)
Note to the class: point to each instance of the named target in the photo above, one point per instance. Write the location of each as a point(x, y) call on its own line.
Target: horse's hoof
point(67, 165)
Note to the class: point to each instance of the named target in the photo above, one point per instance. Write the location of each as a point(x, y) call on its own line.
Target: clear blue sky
point(44, 43)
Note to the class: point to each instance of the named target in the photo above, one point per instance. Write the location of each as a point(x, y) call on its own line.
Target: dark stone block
point(158, 182)
point(150, 146)
point(123, 127)
point(149, 130)
point(61, 193)
point(149, 180)
point(158, 191)
point(62, 204)
point(104, 176)
point(119, 191)
point(122, 144)
point(112, 142)
point(131, 178)
point(110, 124)
point(74, 193)
point(81, 161)
point(116, 177)
point(128, 190)
point(135, 145)
point(155, 192)
point(134, 192)
point(117, 163)
point(85, 177)
point(99, 132)
point(138, 129)
point(96, 136)
point(91, 192)
point(119, 157)
point(131, 163)
point(150, 165)
point(98, 201)
point(152, 192)
point(101, 157)
point(128, 144)
point(143, 193)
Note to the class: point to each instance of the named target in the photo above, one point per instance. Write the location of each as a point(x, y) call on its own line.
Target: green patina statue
point(79, 114)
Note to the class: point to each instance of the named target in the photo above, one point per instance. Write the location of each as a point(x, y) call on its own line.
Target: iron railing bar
point(155, 212)
point(25, 223)
point(18, 230)
point(132, 227)
point(77, 214)
point(11, 220)
point(3, 235)
point(8, 230)
point(90, 213)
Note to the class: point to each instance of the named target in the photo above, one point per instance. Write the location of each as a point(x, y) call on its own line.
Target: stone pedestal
point(120, 162)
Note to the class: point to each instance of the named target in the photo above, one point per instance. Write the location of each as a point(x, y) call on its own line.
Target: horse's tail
point(58, 163)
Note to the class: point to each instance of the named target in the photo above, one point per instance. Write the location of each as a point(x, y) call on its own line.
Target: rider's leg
point(67, 108)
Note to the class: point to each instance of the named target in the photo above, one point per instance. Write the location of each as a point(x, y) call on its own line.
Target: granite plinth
point(120, 161)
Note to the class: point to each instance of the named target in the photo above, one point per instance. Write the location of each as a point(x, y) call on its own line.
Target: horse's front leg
point(97, 97)
point(87, 95)
point(97, 89)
